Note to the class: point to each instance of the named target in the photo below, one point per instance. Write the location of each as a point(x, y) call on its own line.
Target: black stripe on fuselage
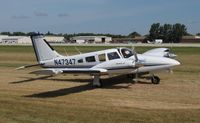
point(79, 71)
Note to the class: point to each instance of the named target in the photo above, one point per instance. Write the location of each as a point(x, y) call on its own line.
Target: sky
point(97, 16)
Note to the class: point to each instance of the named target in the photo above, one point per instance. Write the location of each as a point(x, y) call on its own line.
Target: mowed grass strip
point(26, 98)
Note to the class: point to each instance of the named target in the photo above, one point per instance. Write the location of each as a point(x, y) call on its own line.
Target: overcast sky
point(97, 16)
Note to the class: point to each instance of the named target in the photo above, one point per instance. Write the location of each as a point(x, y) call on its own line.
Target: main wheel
point(97, 85)
point(130, 76)
point(155, 80)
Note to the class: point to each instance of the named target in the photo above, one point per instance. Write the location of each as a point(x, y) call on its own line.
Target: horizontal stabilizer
point(47, 72)
point(27, 66)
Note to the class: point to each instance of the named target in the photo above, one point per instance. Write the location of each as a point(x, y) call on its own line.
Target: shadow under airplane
point(108, 83)
point(30, 79)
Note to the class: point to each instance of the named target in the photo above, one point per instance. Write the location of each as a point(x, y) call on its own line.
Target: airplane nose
point(175, 63)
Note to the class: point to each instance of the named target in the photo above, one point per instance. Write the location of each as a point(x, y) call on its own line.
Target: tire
point(130, 76)
point(98, 86)
point(155, 80)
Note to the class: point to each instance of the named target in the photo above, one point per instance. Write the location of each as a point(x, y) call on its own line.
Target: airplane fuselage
point(113, 60)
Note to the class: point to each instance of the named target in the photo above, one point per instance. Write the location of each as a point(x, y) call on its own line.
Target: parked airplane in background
point(105, 62)
point(156, 41)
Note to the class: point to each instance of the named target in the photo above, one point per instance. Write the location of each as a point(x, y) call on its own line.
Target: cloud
point(62, 15)
point(41, 14)
point(20, 17)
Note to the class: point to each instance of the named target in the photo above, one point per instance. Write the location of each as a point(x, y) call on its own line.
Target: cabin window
point(102, 57)
point(90, 59)
point(113, 55)
point(126, 53)
point(80, 61)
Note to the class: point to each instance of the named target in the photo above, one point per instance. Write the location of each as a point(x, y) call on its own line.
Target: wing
point(55, 71)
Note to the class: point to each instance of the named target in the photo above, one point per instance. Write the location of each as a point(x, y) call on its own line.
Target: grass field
point(26, 98)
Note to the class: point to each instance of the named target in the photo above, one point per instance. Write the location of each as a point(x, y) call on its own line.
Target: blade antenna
point(66, 52)
point(77, 50)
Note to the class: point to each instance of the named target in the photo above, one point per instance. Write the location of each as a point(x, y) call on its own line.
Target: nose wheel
point(155, 79)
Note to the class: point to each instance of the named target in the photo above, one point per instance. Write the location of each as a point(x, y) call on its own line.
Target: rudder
point(43, 50)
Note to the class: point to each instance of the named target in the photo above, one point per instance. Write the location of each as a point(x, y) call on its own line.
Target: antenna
point(65, 52)
point(77, 50)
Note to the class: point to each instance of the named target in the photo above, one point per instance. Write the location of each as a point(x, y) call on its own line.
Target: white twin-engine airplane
point(122, 61)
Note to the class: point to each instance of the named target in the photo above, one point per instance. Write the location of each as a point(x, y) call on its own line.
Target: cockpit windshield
point(126, 53)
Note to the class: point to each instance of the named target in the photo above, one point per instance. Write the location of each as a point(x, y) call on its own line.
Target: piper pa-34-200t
point(106, 62)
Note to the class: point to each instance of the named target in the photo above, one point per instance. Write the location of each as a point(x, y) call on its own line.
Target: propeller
point(138, 64)
point(137, 61)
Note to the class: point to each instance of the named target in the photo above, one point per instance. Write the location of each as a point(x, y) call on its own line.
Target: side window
point(90, 59)
point(102, 57)
point(113, 55)
point(80, 61)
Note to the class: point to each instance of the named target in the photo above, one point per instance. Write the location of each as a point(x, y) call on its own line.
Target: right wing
point(55, 71)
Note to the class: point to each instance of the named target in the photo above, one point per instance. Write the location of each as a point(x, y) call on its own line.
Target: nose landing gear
point(155, 79)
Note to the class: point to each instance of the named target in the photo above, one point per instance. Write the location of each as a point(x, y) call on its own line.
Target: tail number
point(64, 61)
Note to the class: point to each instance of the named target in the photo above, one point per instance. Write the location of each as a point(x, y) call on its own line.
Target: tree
point(49, 33)
point(5, 33)
point(167, 32)
point(179, 30)
point(19, 34)
point(154, 32)
point(198, 34)
point(30, 33)
point(134, 34)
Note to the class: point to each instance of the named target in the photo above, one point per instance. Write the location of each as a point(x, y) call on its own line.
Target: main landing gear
point(96, 81)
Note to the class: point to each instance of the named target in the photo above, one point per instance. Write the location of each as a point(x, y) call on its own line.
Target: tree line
point(168, 32)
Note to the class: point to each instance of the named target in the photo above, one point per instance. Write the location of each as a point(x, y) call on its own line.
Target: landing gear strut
point(155, 79)
point(96, 81)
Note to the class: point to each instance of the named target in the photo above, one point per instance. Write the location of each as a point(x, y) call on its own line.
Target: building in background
point(190, 39)
point(4, 39)
point(15, 40)
point(54, 39)
point(90, 39)
point(137, 39)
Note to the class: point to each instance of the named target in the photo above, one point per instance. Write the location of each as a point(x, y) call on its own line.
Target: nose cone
point(174, 62)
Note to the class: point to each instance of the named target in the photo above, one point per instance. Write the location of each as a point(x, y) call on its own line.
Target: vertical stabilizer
point(43, 50)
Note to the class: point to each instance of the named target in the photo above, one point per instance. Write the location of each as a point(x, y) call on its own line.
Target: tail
point(43, 50)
